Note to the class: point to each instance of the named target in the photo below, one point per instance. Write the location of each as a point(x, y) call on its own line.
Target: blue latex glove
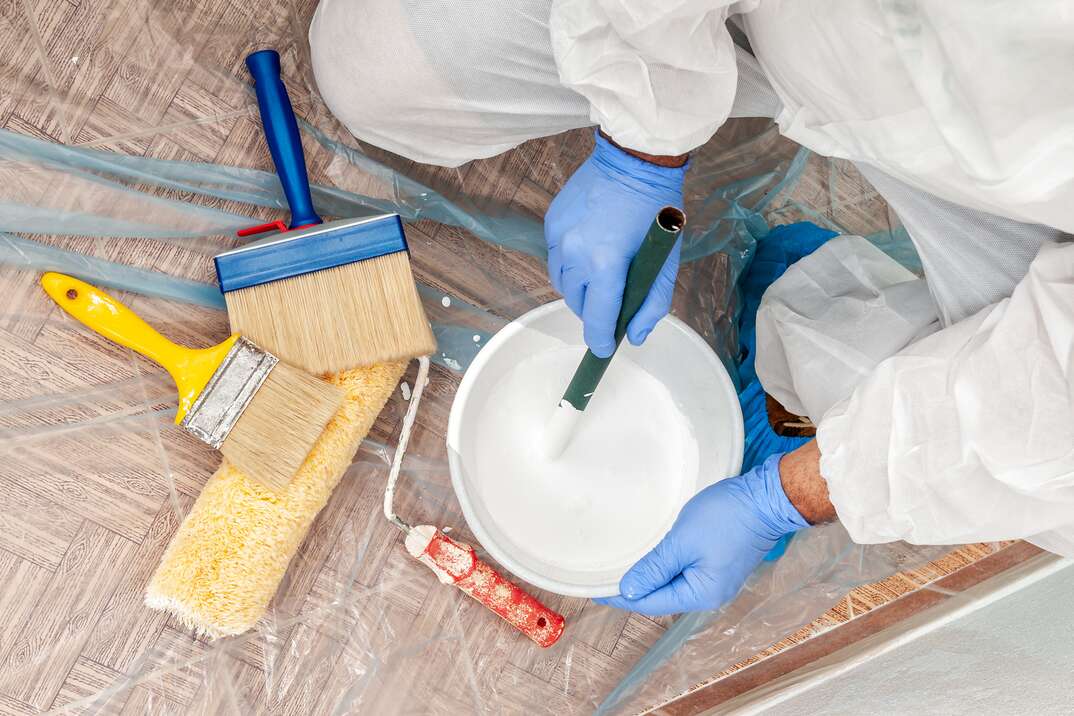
point(594, 227)
point(719, 538)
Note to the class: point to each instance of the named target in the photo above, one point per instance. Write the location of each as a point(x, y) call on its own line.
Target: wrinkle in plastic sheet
point(98, 478)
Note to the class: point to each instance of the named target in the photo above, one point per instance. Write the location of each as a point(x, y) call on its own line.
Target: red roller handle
point(457, 563)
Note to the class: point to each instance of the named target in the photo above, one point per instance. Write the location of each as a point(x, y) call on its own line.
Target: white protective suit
point(946, 407)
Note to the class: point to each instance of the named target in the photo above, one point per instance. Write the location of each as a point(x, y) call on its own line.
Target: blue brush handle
point(281, 132)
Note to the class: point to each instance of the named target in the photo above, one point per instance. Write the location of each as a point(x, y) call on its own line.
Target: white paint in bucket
point(576, 531)
point(617, 487)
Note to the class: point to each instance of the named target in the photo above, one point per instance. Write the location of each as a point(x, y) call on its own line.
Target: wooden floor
point(94, 479)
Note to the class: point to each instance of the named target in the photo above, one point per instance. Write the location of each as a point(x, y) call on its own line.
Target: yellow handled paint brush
point(263, 415)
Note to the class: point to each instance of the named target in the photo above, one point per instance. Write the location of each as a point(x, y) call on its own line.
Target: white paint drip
point(616, 488)
point(477, 338)
point(445, 301)
point(404, 439)
point(404, 388)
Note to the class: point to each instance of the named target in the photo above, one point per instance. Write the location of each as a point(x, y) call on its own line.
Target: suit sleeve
point(966, 435)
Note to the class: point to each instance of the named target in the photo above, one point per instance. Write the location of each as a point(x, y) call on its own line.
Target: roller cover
point(225, 562)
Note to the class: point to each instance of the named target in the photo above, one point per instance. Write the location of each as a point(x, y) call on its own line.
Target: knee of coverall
point(441, 83)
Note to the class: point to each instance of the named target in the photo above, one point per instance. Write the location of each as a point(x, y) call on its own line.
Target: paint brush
point(644, 268)
point(263, 415)
point(325, 297)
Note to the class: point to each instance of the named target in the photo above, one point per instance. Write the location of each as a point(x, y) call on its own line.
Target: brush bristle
point(339, 318)
point(280, 426)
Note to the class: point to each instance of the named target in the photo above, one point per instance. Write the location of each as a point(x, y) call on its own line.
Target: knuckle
point(573, 247)
point(605, 257)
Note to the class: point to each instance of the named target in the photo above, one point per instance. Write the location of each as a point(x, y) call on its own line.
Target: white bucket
point(674, 354)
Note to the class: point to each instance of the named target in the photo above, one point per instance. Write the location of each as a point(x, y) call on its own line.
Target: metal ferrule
point(228, 392)
point(302, 251)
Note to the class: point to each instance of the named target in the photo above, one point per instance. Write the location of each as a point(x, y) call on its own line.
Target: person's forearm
point(661, 161)
point(799, 473)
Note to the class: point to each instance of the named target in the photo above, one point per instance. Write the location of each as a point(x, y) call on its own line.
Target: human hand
point(594, 227)
point(719, 538)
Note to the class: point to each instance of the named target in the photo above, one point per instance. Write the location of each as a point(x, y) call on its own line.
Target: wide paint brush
point(263, 415)
point(644, 268)
point(325, 297)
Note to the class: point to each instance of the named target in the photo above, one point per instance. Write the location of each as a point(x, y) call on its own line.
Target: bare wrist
point(805, 487)
point(672, 162)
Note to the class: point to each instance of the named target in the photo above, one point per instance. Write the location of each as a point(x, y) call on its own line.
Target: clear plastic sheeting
point(129, 153)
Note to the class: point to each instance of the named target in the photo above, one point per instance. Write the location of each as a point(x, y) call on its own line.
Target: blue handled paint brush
point(324, 297)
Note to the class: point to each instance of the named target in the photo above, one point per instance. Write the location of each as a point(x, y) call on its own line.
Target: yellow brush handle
point(190, 368)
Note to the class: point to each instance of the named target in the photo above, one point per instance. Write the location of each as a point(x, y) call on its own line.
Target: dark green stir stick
point(644, 268)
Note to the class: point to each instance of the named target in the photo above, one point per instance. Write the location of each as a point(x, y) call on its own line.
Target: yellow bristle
point(223, 565)
point(338, 318)
point(282, 422)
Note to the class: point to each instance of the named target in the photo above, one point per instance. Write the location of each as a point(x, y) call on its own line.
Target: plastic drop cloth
point(130, 153)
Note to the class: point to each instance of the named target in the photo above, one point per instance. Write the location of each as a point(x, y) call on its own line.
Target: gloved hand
point(719, 538)
point(594, 227)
